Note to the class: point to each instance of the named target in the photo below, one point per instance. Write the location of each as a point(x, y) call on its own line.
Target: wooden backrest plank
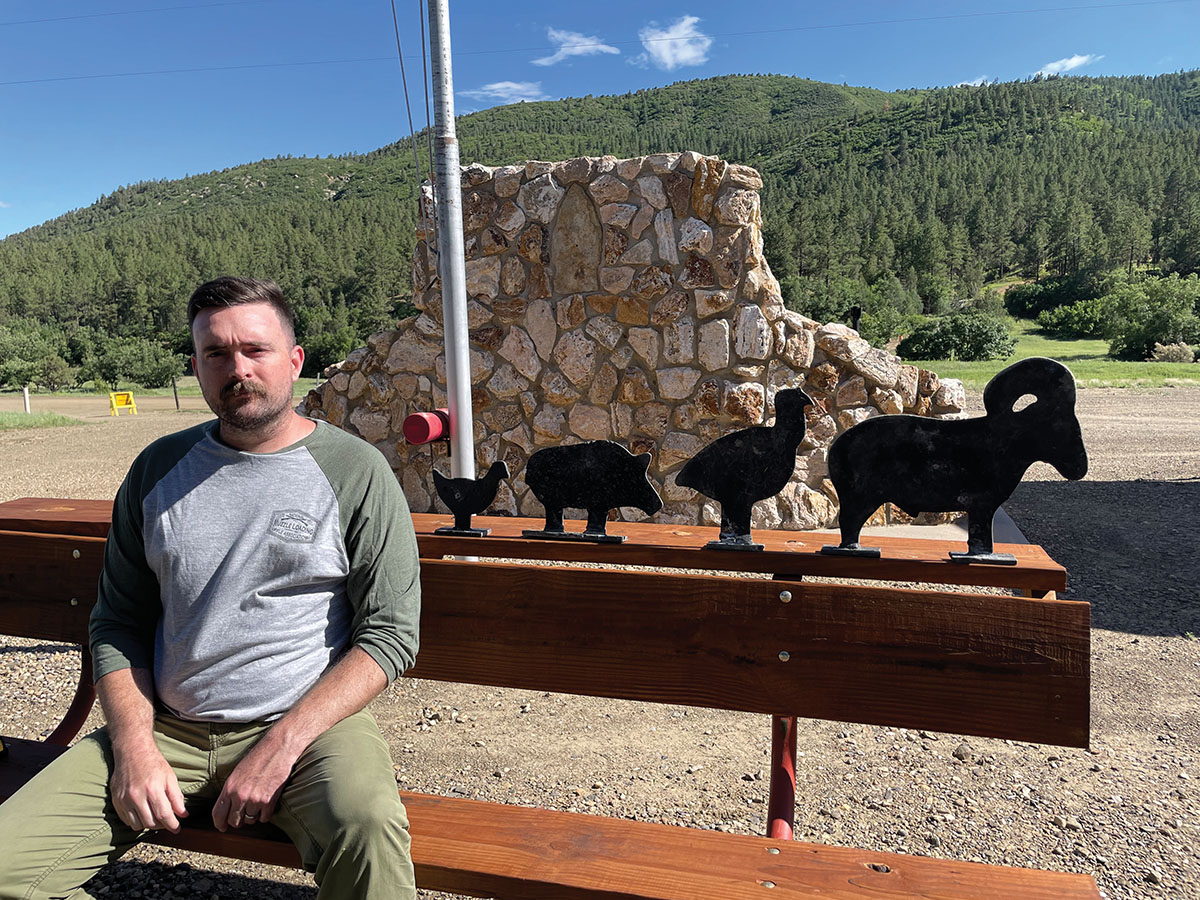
point(787, 553)
point(990, 665)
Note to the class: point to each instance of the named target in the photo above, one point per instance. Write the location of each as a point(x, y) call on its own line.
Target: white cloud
point(1068, 63)
point(680, 44)
point(572, 43)
point(974, 82)
point(508, 92)
point(4, 205)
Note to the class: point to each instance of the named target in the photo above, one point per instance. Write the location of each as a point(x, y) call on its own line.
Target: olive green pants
point(340, 808)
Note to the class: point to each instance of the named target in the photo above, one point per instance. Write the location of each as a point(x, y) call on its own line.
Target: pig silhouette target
point(595, 476)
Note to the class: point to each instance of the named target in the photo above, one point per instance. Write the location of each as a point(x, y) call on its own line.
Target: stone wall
point(625, 300)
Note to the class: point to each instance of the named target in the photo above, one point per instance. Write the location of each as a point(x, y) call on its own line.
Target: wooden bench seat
point(487, 849)
point(995, 665)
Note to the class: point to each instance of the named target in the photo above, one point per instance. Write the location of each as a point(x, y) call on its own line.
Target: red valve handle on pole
point(425, 427)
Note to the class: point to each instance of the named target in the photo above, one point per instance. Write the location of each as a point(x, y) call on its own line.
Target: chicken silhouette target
point(466, 497)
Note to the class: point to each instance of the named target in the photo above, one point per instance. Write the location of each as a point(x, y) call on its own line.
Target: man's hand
point(256, 783)
point(253, 788)
point(146, 792)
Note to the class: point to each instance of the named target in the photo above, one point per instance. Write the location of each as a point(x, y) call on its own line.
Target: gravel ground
point(1123, 811)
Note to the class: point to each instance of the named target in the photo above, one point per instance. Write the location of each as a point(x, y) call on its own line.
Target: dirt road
point(1125, 811)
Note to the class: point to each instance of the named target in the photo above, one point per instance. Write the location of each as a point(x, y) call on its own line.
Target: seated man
point(260, 587)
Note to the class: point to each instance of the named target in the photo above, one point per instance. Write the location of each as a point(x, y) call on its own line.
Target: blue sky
point(99, 93)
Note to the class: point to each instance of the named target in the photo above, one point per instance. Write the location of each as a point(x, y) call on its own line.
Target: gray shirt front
point(265, 568)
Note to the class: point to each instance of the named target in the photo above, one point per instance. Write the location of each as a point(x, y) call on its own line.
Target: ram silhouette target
point(973, 465)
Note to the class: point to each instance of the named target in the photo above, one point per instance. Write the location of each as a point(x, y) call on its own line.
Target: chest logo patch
point(293, 526)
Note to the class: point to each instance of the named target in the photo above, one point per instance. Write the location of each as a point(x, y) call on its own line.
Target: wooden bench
point(1005, 666)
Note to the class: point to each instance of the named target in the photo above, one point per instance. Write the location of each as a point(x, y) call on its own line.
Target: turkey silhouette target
point(746, 466)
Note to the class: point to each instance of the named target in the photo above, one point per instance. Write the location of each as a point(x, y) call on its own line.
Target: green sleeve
point(383, 585)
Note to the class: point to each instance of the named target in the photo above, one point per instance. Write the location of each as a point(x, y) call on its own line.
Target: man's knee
point(373, 812)
point(58, 829)
point(363, 816)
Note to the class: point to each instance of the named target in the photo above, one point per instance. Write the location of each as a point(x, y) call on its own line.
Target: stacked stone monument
point(625, 300)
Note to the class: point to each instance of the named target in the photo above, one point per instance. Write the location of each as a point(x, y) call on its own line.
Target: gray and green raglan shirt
point(239, 578)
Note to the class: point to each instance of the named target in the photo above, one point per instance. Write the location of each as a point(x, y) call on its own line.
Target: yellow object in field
point(118, 400)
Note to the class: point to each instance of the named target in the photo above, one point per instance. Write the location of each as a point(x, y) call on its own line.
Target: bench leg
point(781, 808)
point(81, 705)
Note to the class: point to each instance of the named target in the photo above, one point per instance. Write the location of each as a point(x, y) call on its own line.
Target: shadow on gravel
point(1130, 548)
point(39, 648)
point(158, 881)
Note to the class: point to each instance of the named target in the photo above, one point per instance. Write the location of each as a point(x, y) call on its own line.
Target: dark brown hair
point(233, 290)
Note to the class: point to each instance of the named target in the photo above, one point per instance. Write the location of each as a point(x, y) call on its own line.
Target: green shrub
point(967, 336)
point(1175, 353)
point(881, 327)
point(1081, 319)
point(887, 306)
point(55, 373)
point(323, 350)
point(1152, 311)
point(938, 296)
point(26, 350)
point(1025, 301)
point(991, 302)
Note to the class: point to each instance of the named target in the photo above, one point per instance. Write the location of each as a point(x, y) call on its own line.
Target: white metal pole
point(451, 262)
point(25, 394)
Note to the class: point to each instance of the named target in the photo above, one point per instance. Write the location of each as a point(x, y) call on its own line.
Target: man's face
point(246, 364)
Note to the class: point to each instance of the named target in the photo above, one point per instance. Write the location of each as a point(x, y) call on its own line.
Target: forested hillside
point(908, 201)
point(974, 183)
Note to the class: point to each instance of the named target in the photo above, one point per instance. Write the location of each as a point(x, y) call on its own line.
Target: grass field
point(187, 384)
point(189, 387)
point(1088, 360)
point(10, 421)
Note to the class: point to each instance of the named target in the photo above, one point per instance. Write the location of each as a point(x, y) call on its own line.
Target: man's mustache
point(237, 388)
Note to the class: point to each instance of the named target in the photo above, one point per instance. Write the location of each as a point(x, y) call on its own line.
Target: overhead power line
point(133, 12)
point(407, 105)
point(283, 65)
